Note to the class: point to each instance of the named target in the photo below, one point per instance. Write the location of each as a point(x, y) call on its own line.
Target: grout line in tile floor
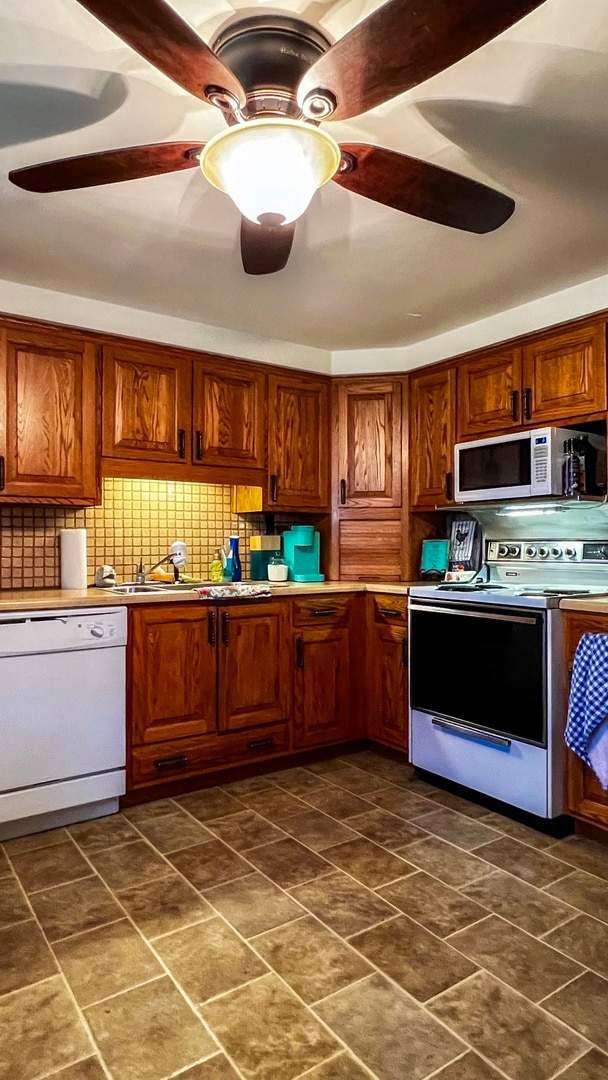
point(331, 868)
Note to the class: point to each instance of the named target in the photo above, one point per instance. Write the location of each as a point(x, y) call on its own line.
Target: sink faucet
point(178, 557)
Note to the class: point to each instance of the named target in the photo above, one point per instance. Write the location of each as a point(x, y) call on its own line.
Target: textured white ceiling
point(526, 114)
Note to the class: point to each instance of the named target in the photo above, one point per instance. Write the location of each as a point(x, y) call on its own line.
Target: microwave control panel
point(575, 552)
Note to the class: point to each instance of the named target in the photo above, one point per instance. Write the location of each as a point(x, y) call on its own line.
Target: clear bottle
point(216, 570)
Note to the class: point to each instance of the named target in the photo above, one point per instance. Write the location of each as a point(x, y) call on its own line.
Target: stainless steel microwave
point(512, 466)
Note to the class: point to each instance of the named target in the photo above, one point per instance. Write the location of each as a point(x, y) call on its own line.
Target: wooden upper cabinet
point(48, 415)
point(489, 393)
point(432, 423)
point(172, 684)
point(229, 405)
point(564, 374)
point(147, 403)
point(298, 442)
point(254, 665)
point(369, 438)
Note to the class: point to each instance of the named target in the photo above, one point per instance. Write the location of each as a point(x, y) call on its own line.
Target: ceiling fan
point(275, 78)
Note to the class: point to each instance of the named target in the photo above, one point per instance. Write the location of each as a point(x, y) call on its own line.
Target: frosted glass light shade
point(270, 166)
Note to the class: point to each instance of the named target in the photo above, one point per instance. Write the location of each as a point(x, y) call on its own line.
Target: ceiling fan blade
point(108, 167)
point(403, 43)
point(154, 30)
point(265, 248)
point(422, 189)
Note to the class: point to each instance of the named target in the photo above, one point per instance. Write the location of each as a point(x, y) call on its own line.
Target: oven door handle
point(525, 620)
point(473, 733)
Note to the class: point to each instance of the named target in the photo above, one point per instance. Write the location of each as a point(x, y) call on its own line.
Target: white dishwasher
point(62, 717)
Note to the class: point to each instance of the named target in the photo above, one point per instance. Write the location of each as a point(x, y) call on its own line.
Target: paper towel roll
point(73, 548)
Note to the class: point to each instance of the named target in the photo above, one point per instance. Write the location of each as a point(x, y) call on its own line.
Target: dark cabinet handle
point(342, 492)
point(176, 762)
point(324, 611)
point(211, 630)
point(199, 446)
point(225, 628)
point(261, 744)
point(515, 405)
point(391, 613)
point(449, 486)
point(404, 653)
point(528, 403)
point(1, 473)
point(299, 652)
point(181, 442)
point(274, 487)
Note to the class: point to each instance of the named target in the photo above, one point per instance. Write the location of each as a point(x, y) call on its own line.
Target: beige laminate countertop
point(49, 599)
point(593, 605)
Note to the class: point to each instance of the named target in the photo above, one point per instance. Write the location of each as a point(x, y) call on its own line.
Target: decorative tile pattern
point(299, 948)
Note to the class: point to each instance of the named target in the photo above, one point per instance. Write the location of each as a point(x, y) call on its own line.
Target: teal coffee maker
point(301, 553)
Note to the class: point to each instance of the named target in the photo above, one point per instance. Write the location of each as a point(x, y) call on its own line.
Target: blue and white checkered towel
point(587, 727)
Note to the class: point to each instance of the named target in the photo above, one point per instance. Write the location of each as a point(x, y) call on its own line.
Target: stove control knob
point(543, 552)
point(531, 551)
point(503, 551)
point(556, 552)
point(603, 552)
point(514, 550)
point(570, 552)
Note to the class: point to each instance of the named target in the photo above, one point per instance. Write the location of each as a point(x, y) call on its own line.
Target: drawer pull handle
point(199, 446)
point(176, 762)
point(515, 405)
point(471, 732)
point(274, 487)
point(299, 652)
point(325, 611)
point(391, 613)
point(261, 744)
point(342, 492)
point(1, 473)
point(404, 653)
point(181, 442)
point(528, 403)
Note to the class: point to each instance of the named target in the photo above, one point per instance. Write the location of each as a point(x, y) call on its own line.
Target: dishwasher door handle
point(473, 733)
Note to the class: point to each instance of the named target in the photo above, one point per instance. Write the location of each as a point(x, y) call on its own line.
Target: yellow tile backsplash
point(137, 518)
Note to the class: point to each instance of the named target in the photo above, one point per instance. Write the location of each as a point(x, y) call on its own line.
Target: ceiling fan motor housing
point(269, 54)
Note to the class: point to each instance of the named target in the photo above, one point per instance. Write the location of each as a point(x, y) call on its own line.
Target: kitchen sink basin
point(130, 588)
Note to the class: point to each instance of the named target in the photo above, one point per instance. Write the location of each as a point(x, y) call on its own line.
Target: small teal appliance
point(301, 552)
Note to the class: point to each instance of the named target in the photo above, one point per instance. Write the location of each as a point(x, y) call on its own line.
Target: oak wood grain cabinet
point(298, 442)
point(229, 414)
point(432, 429)
point(48, 416)
point(369, 443)
point(208, 686)
point(147, 408)
point(585, 797)
point(387, 670)
point(556, 376)
point(322, 671)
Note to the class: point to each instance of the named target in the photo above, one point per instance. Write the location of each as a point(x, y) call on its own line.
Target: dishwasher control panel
point(62, 631)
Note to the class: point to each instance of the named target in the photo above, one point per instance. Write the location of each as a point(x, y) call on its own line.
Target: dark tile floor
point(338, 922)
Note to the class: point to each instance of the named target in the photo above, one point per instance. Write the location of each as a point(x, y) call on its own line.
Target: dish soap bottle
point(237, 570)
point(216, 570)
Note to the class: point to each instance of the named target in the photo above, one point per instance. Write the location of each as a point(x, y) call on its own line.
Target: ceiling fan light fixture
point(270, 166)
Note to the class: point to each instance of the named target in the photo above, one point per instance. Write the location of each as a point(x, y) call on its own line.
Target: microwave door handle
point(523, 620)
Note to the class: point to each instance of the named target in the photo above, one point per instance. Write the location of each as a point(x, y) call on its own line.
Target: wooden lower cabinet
point(322, 698)
point(209, 686)
point(387, 674)
point(585, 797)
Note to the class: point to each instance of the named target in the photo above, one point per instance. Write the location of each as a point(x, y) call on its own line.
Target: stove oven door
point(478, 696)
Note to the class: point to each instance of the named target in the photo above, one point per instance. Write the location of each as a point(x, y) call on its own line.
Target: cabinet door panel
point(48, 419)
point(369, 425)
point(228, 418)
point(387, 685)
point(298, 438)
point(146, 404)
point(565, 374)
point(585, 797)
point(254, 681)
point(432, 412)
point(173, 673)
point(489, 393)
point(321, 687)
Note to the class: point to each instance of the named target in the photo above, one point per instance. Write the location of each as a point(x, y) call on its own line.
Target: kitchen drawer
point(390, 609)
point(155, 764)
point(321, 611)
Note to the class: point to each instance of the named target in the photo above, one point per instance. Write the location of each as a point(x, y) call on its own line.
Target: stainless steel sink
point(130, 588)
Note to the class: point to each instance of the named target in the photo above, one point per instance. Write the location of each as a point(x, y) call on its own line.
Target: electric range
point(487, 682)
